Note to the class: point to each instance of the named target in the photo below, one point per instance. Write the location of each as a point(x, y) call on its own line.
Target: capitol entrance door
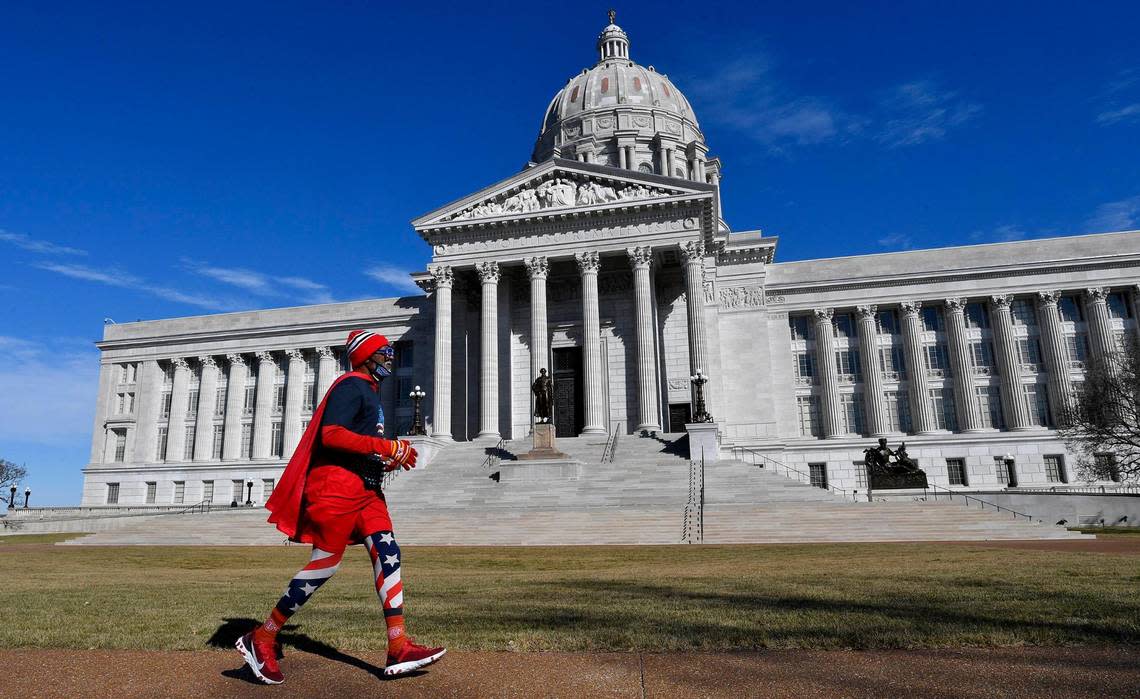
point(568, 403)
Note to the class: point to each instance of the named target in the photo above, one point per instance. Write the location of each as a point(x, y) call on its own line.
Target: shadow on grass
point(231, 629)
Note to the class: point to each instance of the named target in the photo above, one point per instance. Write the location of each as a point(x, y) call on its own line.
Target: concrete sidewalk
point(1037, 673)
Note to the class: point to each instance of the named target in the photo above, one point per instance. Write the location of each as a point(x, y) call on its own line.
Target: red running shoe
point(261, 657)
point(411, 657)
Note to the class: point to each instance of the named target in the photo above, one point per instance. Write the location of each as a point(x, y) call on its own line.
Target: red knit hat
point(362, 344)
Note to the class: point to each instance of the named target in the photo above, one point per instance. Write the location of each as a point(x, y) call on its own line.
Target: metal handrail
point(693, 517)
point(967, 498)
point(610, 451)
point(197, 508)
point(842, 492)
point(493, 457)
point(1081, 490)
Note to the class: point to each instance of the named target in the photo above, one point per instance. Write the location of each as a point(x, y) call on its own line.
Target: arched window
point(645, 167)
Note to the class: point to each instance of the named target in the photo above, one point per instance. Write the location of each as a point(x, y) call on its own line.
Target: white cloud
point(1125, 113)
point(393, 277)
point(49, 392)
point(1122, 215)
point(124, 280)
point(919, 112)
point(261, 284)
point(1001, 234)
point(896, 241)
point(37, 246)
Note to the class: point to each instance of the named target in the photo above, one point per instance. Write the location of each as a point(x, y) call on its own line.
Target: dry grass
point(609, 598)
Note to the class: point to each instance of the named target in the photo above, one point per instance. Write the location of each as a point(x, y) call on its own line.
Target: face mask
point(379, 371)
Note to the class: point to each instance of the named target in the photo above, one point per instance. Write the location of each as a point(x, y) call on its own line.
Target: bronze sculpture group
point(883, 473)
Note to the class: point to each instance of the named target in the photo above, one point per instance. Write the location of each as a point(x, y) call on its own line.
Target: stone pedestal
point(703, 441)
point(544, 449)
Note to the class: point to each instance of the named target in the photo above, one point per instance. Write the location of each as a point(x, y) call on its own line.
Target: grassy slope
point(613, 598)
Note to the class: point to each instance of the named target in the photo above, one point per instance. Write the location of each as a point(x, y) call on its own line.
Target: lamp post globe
point(249, 493)
point(417, 395)
point(699, 379)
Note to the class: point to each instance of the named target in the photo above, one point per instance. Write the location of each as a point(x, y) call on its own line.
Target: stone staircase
point(638, 499)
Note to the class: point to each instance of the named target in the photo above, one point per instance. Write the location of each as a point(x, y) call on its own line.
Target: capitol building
point(608, 262)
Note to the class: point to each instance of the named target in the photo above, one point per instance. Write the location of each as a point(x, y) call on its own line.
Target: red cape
point(284, 504)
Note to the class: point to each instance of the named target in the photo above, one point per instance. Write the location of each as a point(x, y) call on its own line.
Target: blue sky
point(163, 160)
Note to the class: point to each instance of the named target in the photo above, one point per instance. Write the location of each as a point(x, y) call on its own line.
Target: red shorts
point(338, 510)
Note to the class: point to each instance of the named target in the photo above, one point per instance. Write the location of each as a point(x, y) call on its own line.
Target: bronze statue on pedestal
point(543, 390)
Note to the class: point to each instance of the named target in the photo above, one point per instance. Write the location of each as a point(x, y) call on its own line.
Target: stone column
point(591, 343)
point(693, 256)
point(176, 424)
point(828, 373)
point(1136, 311)
point(538, 268)
point(489, 352)
point(207, 402)
point(148, 396)
point(965, 399)
point(441, 419)
point(327, 371)
point(294, 396)
point(1005, 344)
point(921, 414)
point(263, 409)
point(641, 258)
point(1101, 337)
point(872, 376)
point(1056, 353)
point(235, 402)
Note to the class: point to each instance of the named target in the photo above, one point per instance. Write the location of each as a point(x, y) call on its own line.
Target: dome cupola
point(622, 114)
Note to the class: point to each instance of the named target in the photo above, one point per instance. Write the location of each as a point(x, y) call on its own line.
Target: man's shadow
point(231, 629)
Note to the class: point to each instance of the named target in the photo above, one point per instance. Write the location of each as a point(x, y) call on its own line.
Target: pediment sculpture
point(557, 193)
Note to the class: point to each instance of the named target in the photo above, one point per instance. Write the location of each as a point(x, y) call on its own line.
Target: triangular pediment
point(558, 186)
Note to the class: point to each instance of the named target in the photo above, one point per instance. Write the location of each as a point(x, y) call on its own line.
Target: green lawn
point(610, 598)
point(1108, 532)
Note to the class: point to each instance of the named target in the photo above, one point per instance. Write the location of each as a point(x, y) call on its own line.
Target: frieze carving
point(537, 267)
point(488, 272)
point(642, 121)
point(741, 296)
point(558, 193)
point(587, 261)
point(605, 122)
point(710, 292)
point(774, 298)
point(678, 384)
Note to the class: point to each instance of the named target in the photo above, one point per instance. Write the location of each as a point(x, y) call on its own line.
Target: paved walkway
point(1037, 673)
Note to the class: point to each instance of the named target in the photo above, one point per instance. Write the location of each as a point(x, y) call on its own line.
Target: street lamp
point(699, 380)
point(249, 493)
point(12, 499)
point(417, 395)
point(27, 494)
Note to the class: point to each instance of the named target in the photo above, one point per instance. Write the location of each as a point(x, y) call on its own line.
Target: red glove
point(399, 453)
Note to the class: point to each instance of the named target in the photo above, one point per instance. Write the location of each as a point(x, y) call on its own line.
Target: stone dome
point(622, 114)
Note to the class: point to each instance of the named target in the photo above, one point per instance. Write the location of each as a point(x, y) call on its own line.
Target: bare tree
point(1102, 427)
point(9, 473)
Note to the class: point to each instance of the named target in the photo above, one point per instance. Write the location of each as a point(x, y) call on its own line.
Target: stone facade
point(619, 275)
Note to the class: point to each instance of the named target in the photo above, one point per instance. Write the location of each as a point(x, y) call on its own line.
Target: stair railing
point(693, 521)
point(494, 455)
point(611, 444)
point(967, 499)
point(739, 452)
point(198, 508)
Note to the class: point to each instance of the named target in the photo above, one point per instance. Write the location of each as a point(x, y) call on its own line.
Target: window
point(976, 316)
point(219, 438)
point(247, 441)
point(207, 491)
point(405, 355)
point(192, 402)
point(1006, 471)
point(266, 488)
point(220, 402)
point(237, 489)
point(1037, 399)
point(125, 403)
point(932, 319)
point(888, 322)
point(151, 492)
point(168, 373)
point(1077, 346)
point(809, 416)
point(1055, 468)
point(847, 363)
point(982, 356)
point(936, 361)
point(860, 474)
point(956, 471)
point(898, 411)
point(1021, 310)
point(1029, 352)
point(851, 405)
point(179, 492)
point(278, 398)
point(403, 388)
point(277, 439)
point(844, 327)
point(1117, 306)
point(942, 407)
point(800, 327)
point(188, 447)
point(250, 400)
point(1106, 463)
point(818, 475)
point(307, 397)
point(1070, 309)
point(167, 396)
point(162, 438)
point(120, 442)
point(805, 366)
point(989, 407)
point(891, 362)
point(112, 493)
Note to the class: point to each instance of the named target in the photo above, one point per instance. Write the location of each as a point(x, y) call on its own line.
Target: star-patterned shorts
point(338, 510)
